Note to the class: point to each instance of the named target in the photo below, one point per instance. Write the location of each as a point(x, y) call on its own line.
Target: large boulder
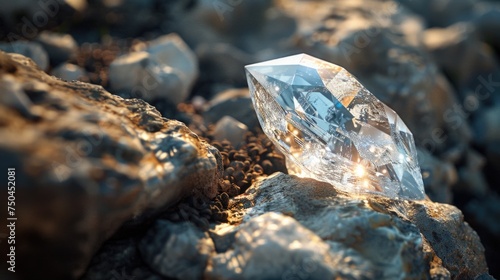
point(86, 161)
point(319, 230)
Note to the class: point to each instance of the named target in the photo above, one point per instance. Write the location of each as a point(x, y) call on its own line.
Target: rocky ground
point(152, 165)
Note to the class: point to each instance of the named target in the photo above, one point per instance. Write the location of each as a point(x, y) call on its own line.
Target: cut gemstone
point(333, 129)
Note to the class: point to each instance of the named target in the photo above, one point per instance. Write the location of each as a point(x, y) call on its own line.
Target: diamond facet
point(333, 129)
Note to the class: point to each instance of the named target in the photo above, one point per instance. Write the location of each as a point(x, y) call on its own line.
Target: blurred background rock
point(436, 62)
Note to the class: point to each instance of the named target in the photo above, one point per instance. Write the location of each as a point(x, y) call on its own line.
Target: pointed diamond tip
point(332, 129)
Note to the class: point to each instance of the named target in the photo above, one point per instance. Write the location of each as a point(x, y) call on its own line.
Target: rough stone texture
point(236, 33)
point(275, 246)
point(87, 161)
point(383, 237)
point(177, 250)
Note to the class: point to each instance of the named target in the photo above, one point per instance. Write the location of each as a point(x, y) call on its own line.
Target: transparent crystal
point(333, 129)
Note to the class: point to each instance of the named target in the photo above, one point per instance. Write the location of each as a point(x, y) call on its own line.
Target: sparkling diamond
point(333, 129)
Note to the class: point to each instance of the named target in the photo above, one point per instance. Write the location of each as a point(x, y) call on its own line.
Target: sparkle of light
point(359, 170)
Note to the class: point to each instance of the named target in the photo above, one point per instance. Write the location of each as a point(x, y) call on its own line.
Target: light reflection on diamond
point(333, 129)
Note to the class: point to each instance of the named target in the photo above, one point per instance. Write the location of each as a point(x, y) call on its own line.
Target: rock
point(459, 52)
point(138, 18)
point(230, 129)
point(77, 5)
point(232, 102)
point(486, 212)
point(484, 276)
point(176, 250)
point(441, 13)
point(438, 177)
point(29, 49)
point(59, 47)
point(248, 26)
point(197, 26)
point(69, 72)
point(126, 71)
point(198, 102)
point(136, 75)
point(378, 237)
point(493, 162)
point(37, 14)
point(471, 175)
point(222, 63)
point(252, 25)
point(167, 69)
point(119, 260)
point(172, 50)
point(487, 22)
point(486, 126)
point(87, 162)
point(275, 246)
